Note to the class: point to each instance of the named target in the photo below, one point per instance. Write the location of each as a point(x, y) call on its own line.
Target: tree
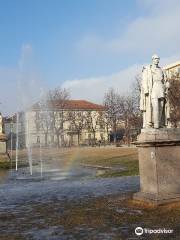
point(93, 122)
point(113, 103)
point(136, 91)
point(136, 120)
point(105, 123)
point(123, 110)
point(130, 116)
point(43, 121)
point(78, 120)
point(174, 99)
point(57, 101)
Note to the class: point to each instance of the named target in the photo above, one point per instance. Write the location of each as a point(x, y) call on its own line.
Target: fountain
point(40, 155)
point(40, 138)
point(17, 139)
point(28, 143)
point(28, 93)
point(11, 144)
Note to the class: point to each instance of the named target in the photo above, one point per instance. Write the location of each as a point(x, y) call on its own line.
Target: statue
point(158, 143)
point(153, 101)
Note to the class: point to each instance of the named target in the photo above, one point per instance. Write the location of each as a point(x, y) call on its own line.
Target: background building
point(76, 122)
point(14, 127)
point(173, 68)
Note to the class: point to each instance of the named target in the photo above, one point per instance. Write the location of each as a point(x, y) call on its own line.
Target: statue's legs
point(147, 114)
point(161, 115)
point(158, 105)
point(167, 115)
point(155, 105)
point(144, 119)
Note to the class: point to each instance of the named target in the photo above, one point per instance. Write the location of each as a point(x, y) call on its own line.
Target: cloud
point(157, 31)
point(93, 88)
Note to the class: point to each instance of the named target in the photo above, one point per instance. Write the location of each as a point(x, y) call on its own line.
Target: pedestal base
point(2, 147)
point(3, 141)
point(156, 199)
point(159, 166)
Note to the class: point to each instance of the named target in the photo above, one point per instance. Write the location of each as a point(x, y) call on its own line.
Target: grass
point(4, 161)
point(120, 161)
point(129, 168)
point(113, 161)
point(4, 165)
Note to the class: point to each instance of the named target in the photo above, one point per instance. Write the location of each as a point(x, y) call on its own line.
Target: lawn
point(109, 161)
point(113, 162)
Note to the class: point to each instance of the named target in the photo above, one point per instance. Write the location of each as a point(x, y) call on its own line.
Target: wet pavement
point(74, 184)
point(73, 204)
point(21, 193)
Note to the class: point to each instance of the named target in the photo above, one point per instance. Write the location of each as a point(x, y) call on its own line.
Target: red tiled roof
point(71, 105)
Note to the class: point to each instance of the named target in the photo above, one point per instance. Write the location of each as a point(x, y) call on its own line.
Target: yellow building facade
point(173, 68)
point(79, 122)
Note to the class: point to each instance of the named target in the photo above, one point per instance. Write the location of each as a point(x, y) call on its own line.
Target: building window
point(37, 126)
point(79, 114)
point(101, 125)
point(37, 116)
point(38, 139)
point(102, 136)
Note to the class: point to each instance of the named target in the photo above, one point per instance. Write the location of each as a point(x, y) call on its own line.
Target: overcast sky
point(85, 46)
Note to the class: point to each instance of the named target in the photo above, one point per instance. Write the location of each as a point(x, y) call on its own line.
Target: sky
point(84, 46)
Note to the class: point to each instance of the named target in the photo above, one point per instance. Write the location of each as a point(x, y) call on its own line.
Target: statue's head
point(155, 59)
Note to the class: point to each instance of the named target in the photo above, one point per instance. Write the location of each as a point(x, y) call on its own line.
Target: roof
point(71, 105)
point(13, 118)
point(172, 65)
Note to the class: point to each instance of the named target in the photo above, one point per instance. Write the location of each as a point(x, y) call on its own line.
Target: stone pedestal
point(3, 141)
point(159, 165)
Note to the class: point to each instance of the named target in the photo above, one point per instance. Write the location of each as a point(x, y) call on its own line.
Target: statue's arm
point(166, 82)
point(145, 81)
point(144, 89)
